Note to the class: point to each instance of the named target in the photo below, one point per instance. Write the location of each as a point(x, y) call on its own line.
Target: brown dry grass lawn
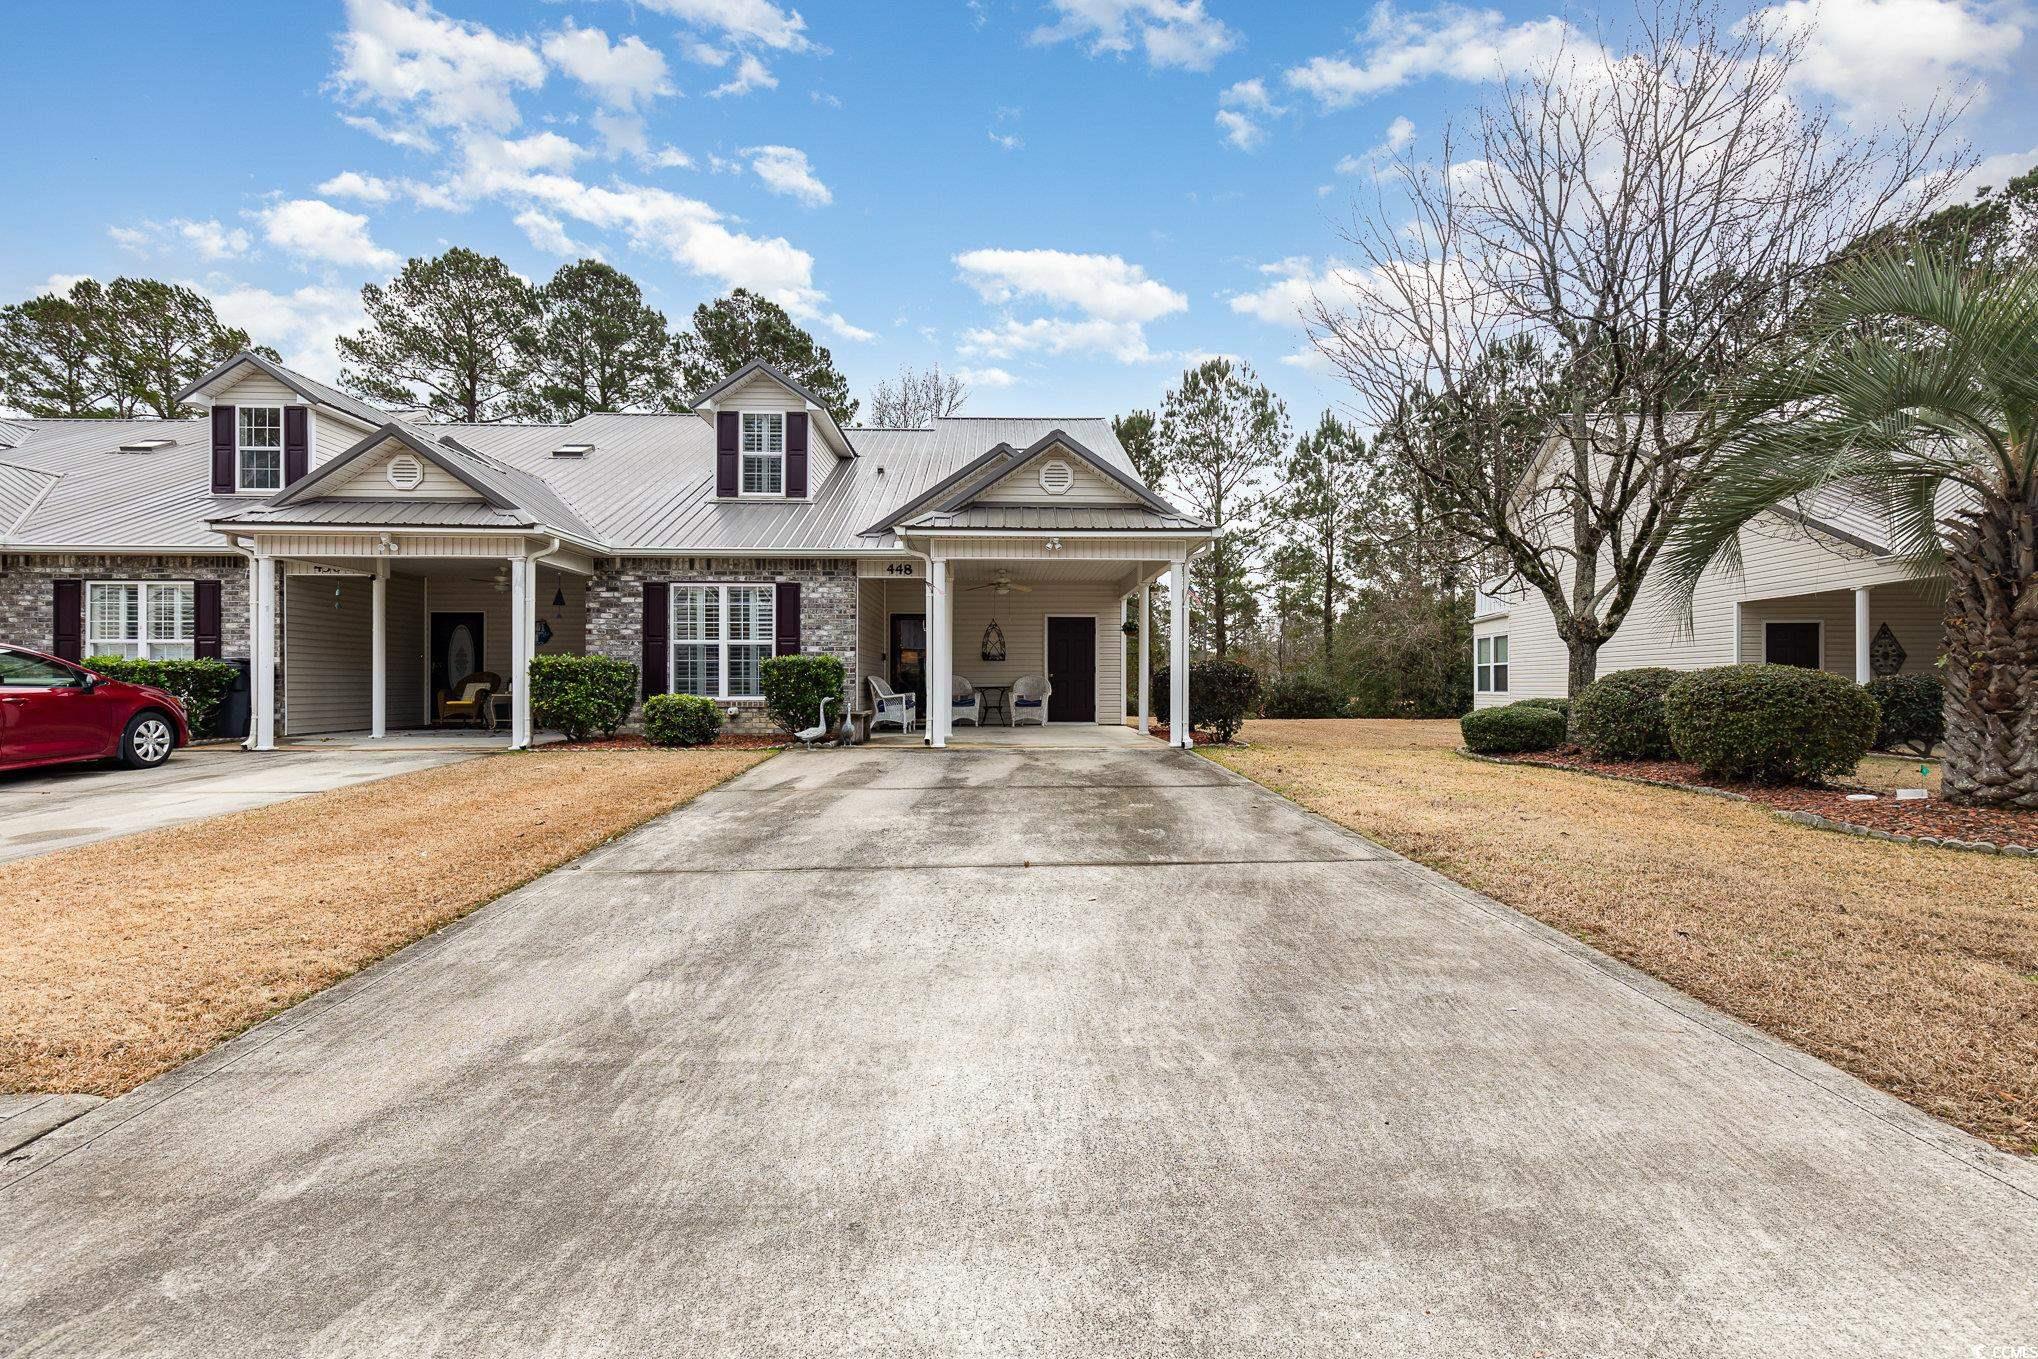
point(1915, 969)
point(122, 959)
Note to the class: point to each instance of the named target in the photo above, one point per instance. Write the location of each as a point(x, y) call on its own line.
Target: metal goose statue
point(814, 733)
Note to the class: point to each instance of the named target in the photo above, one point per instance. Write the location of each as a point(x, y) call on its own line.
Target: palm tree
point(1916, 383)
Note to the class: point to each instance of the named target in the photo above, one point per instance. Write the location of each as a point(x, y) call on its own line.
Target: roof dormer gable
point(757, 387)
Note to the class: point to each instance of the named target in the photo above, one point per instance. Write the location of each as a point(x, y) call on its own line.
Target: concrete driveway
point(1068, 1053)
point(68, 805)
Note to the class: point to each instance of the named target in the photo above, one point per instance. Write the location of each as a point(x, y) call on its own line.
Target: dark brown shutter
point(205, 620)
point(296, 443)
point(222, 450)
point(726, 434)
point(657, 633)
point(788, 618)
point(67, 627)
point(796, 455)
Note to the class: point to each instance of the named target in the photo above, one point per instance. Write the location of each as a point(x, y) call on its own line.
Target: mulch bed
point(1202, 738)
point(728, 740)
point(1926, 819)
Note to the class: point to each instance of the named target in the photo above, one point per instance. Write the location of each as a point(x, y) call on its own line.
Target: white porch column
point(1863, 670)
point(1145, 662)
point(262, 655)
point(940, 655)
point(378, 650)
point(1179, 732)
point(1737, 632)
point(520, 652)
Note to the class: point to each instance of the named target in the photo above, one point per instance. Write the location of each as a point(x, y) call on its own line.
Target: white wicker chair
point(964, 705)
point(901, 710)
point(1029, 700)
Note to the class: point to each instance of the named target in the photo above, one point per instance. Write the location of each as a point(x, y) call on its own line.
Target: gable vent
point(1056, 477)
point(405, 472)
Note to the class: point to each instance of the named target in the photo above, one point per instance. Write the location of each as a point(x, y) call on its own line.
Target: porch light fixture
point(1052, 545)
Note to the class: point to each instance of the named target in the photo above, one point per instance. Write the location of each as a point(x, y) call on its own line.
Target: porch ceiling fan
point(1003, 584)
point(500, 580)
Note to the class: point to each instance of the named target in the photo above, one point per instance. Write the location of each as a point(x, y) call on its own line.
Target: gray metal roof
point(311, 389)
point(99, 497)
point(1059, 519)
point(390, 512)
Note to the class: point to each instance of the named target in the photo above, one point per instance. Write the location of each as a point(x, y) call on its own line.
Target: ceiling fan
point(500, 580)
point(1003, 584)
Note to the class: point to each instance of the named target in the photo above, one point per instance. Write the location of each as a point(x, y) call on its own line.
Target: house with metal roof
point(363, 565)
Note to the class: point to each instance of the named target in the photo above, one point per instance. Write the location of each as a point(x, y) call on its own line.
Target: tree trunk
point(1991, 645)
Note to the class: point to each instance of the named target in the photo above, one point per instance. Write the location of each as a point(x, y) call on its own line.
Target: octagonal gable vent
point(1056, 476)
point(406, 472)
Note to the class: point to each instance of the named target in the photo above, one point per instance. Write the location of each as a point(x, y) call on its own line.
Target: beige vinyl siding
point(325, 654)
point(1090, 487)
point(257, 388)
point(760, 393)
point(369, 480)
point(873, 638)
point(332, 436)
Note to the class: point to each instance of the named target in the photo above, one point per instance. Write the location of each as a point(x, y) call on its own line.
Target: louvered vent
point(406, 472)
point(1056, 477)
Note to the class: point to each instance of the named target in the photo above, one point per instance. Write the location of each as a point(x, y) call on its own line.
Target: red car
point(54, 712)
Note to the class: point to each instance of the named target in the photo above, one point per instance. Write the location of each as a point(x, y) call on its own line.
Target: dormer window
point(763, 453)
point(258, 455)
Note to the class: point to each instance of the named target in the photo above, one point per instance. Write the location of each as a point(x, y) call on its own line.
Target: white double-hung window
point(259, 456)
point(1489, 671)
point(763, 453)
point(721, 636)
point(148, 620)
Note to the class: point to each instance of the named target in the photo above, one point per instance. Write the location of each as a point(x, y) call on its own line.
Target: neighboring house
point(362, 564)
point(1817, 587)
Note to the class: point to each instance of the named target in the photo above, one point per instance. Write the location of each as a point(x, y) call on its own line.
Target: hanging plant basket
point(994, 642)
point(1130, 627)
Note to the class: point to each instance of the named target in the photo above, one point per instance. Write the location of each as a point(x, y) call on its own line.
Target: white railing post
point(262, 658)
point(1179, 728)
point(940, 665)
point(520, 653)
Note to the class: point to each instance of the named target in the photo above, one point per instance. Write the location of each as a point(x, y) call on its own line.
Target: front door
point(1072, 669)
point(909, 657)
point(1792, 644)
point(456, 648)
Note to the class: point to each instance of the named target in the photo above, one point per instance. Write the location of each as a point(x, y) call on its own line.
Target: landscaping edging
point(1802, 818)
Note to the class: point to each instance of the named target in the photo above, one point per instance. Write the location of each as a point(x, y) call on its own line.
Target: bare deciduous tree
point(916, 399)
point(1550, 314)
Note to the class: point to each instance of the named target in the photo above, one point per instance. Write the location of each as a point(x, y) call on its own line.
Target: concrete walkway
point(1007, 1052)
point(68, 805)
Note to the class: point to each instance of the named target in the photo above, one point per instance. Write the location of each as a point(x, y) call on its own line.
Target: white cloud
point(784, 170)
point(315, 229)
point(548, 233)
point(408, 58)
point(1178, 33)
point(300, 324)
point(1283, 302)
point(56, 285)
point(1114, 300)
point(1006, 140)
point(1880, 58)
point(1241, 111)
point(625, 75)
point(210, 239)
point(1463, 44)
point(757, 21)
point(353, 184)
point(707, 54)
point(1400, 136)
point(409, 138)
point(1991, 172)
point(986, 378)
point(138, 239)
point(623, 134)
point(751, 74)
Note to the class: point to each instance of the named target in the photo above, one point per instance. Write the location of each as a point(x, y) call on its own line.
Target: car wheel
point(148, 741)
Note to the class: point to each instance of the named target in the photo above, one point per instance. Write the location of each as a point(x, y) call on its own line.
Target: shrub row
point(681, 720)
point(582, 695)
point(1512, 730)
point(1302, 695)
point(1221, 695)
point(199, 685)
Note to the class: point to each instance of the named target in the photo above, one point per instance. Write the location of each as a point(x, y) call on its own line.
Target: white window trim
point(1485, 672)
point(282, 443)
point(742, 417)
point(673, 641)
point(1818, 623)
point(142, 642)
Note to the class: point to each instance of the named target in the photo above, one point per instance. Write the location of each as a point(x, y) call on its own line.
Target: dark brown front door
point(909, 656)
point(1072, 669)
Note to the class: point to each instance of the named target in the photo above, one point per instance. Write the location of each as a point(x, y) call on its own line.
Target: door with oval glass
point(456, 648)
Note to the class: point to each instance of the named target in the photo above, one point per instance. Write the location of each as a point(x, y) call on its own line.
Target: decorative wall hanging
point(544, 632)
point(1885, 654)
point(994, 642)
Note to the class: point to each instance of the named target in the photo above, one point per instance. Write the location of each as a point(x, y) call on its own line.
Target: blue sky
point(1068, 200)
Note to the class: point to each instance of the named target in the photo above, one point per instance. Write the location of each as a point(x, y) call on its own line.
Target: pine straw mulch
point(120, 960)
point(1915, 817)
point(1912, 968)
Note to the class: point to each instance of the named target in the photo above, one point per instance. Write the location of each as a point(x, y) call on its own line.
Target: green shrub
point(795, 685)
point(1913, 711)
point(1620, 716)
point(681, 720)
point(1302, 696)
point(198, 685)
point(1555, 705)
point(1510, 730)
point(1771, 723)
point(582, 695)
point(1221, 694)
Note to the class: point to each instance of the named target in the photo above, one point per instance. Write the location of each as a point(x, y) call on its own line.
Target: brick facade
point(828, 599)
point(27, 606)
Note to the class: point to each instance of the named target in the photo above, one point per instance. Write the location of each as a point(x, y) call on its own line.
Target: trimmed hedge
point(795, 685)
point(1302, 696)
point(1221, 694)
point(1913, 711)
point(1555, 705)
point(199, 685)
point(1620, 716)
point(681, 720)
point(1771, 723)
point(582, 695)
point(1513, 729)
